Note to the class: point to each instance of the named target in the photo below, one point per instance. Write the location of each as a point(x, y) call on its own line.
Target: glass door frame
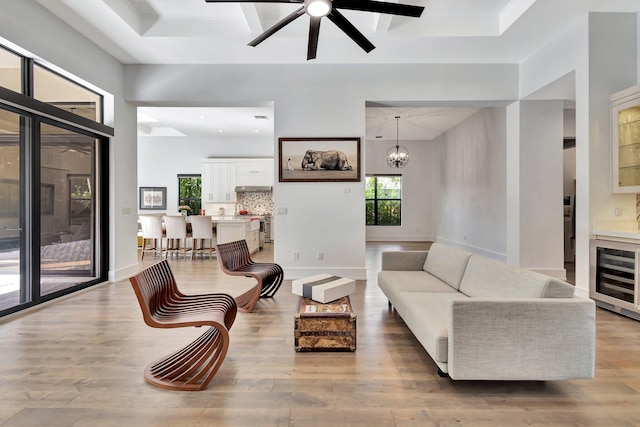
point(36, 113)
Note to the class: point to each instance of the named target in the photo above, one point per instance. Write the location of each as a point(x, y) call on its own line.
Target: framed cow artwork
point(319, 159)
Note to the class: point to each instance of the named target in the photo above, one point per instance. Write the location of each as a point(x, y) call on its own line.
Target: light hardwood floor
point(79, 362)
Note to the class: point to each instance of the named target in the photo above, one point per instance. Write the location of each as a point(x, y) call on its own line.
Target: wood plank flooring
point(79, 362)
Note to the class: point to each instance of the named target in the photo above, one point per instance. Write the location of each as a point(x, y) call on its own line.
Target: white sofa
point(481, 319)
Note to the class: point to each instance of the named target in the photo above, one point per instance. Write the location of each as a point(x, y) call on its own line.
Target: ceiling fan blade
point(314, 32)
point(348, 28)
point(287, 20)
point(380, 7)
point(254, 1)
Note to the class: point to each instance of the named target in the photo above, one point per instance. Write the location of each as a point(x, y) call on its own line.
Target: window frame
point(33, 115)
point(197, 200)
point(376, 199)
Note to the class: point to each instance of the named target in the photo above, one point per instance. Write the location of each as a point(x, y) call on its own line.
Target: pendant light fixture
point(397, 157)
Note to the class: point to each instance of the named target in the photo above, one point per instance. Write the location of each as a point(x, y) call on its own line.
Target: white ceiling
point(415, 123)
point(449, 31)
point(196, 122)
point(197, 32)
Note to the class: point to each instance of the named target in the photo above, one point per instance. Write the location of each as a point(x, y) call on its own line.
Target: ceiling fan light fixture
point(317, 8)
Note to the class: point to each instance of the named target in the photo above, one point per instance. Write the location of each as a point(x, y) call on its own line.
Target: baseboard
point(355, 273)
point(123, 273)
point(473, 249)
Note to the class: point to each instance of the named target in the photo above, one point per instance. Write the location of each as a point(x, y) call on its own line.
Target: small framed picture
point(153, 198)
point(319, 159)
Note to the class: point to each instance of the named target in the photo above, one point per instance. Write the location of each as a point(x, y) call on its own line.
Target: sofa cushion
point(487, 278)
point(427, 316)
point(446, 263)
point(411, 281)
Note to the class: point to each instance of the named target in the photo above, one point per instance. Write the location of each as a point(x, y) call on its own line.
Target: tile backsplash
point(259, 203)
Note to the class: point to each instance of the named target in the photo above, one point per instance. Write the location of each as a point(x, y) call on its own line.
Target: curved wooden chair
point(164, 306)
point(235, 260)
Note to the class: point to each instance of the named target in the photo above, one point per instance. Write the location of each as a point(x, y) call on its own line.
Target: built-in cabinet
point(220, 177)
point(625, 140)
point(258, 172)
point(614, 277)
point(219, 181)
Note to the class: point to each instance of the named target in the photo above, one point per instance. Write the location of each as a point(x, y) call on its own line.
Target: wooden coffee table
point(325, 327)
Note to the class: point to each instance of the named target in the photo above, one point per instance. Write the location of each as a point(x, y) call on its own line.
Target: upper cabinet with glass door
point(625, 140)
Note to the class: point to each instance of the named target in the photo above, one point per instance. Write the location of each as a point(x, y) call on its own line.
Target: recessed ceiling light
point(220, 130)
point(256, 130)
point(201, 117)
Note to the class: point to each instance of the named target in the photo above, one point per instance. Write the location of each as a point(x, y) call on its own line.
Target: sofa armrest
point(403, 260)
point(522, 339)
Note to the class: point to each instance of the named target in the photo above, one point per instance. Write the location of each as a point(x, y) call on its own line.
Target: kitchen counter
point(616, 230)
point(229, 218)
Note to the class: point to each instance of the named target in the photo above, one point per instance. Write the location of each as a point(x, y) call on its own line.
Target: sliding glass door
point(13, 283)
point(53, 202)
point(54, 150)
point(67, 208)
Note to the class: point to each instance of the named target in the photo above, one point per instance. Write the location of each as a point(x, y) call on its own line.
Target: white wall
point(312, 100)
point(417, 190)
point(329, 100)
point(471, 184)
point(161, 160)
point(590, 48)
point(540, 187)
point(29, 26)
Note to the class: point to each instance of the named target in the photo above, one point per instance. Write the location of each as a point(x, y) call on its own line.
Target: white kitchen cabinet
point(255, 172)
point(253, 240)
point(625, 141)
point(219, 180)
point(232, 231)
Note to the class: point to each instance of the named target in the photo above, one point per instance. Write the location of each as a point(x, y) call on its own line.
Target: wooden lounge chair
point(235, 260)
point(164, 306)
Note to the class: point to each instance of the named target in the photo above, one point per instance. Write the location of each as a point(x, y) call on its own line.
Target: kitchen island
point(231, 228)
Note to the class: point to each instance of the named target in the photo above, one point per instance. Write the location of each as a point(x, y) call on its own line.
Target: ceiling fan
point(317, 9)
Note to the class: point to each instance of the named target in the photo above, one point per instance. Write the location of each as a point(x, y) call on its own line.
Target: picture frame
point(153, 198)
point(319, 159)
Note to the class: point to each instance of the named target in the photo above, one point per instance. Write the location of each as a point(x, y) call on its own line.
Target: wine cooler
point(615, 276)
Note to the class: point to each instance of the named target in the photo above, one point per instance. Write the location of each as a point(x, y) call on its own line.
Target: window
point(384, 199)
point(65, 94)
point(54, 199)
point(190, 192)
point(10, 70)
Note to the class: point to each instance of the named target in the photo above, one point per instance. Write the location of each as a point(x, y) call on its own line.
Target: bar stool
point(176, 234)
point(152, 235)
point(201, 232)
